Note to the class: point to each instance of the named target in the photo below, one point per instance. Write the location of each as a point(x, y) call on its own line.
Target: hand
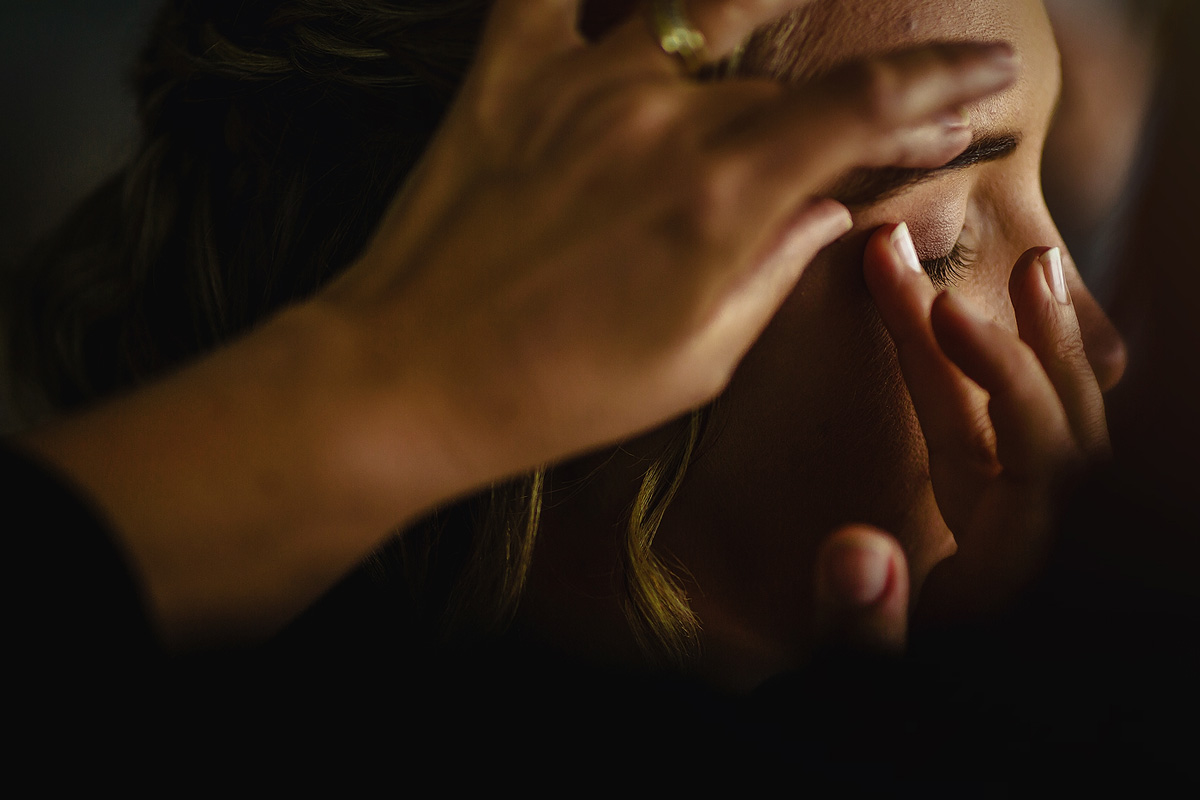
point(1008, 419)
point(586, 249)
point(593, 241)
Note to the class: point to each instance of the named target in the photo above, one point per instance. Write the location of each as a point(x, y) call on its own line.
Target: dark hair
point(273, 136)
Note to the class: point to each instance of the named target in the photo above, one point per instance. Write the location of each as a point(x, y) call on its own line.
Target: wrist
point(247, 483)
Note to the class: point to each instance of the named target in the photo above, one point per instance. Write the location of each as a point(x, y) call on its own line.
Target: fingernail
point(842, 222)
point(857, 574)
point(834, 220)
point(902, 244)
point(954, 120)
point(999, 54)
point(1000, 64)
point(1052, 266)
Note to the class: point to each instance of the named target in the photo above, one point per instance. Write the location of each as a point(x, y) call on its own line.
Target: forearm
point(246, 484)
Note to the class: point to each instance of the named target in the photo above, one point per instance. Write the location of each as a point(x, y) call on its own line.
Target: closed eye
point(950, 268)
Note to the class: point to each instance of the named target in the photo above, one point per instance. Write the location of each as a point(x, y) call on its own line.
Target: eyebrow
point(865, 186)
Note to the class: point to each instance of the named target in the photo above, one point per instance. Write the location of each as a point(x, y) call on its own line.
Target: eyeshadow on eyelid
point(935, 212)
point(935, 236)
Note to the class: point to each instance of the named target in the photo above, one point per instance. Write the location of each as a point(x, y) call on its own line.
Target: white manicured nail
point(1052, 265)
point(902, 243)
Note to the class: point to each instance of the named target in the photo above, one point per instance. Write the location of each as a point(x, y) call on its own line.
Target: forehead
point(827, 33)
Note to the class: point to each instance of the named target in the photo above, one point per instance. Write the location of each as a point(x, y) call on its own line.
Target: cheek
point(987, 290)
point(985, 284)
point(819, 405)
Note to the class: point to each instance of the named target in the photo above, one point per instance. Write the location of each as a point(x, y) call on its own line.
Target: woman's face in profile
point(817, 428)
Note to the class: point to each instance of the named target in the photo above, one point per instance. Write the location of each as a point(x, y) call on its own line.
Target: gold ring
point(677, 36)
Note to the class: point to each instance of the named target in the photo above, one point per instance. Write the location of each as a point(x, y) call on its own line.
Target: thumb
point(861, 591)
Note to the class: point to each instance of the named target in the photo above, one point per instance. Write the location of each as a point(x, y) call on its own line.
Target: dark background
point(68, 116)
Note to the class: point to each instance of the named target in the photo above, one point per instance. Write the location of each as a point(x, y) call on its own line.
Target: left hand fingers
point(1048, 323)
point(1034, 439)
point(1006, 541)
point(951, 409)
point(1102, 342)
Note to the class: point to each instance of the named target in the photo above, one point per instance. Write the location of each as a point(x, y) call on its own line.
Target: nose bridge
point(1033, 226)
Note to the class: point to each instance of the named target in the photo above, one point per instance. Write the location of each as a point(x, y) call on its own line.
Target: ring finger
point(722, 25)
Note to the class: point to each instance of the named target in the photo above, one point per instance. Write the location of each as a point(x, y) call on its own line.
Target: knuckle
point(1068, 349)
point(620, 121)
point(701, 203)
point(646, 114)
point(1013, 381)
point(971, 448)
point(978, 449)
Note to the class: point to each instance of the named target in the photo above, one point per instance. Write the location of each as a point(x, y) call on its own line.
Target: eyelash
point(950, 268)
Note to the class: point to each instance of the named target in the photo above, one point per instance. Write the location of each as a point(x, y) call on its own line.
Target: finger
point(899, 111)
point(1033, 436)
point(817, 225)
point(522, 35)
point(862, 591)
point(754, 297)
point(951, 409)
point(1047, 323)
point(1102, 342)
point(877, 113)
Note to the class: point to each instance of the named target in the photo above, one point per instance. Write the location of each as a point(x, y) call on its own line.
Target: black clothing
point(1090, 683)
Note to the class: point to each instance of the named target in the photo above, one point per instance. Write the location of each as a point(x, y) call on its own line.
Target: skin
point(469, 344)
point(673, 218)
point(587, 249)
point(818, 427)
